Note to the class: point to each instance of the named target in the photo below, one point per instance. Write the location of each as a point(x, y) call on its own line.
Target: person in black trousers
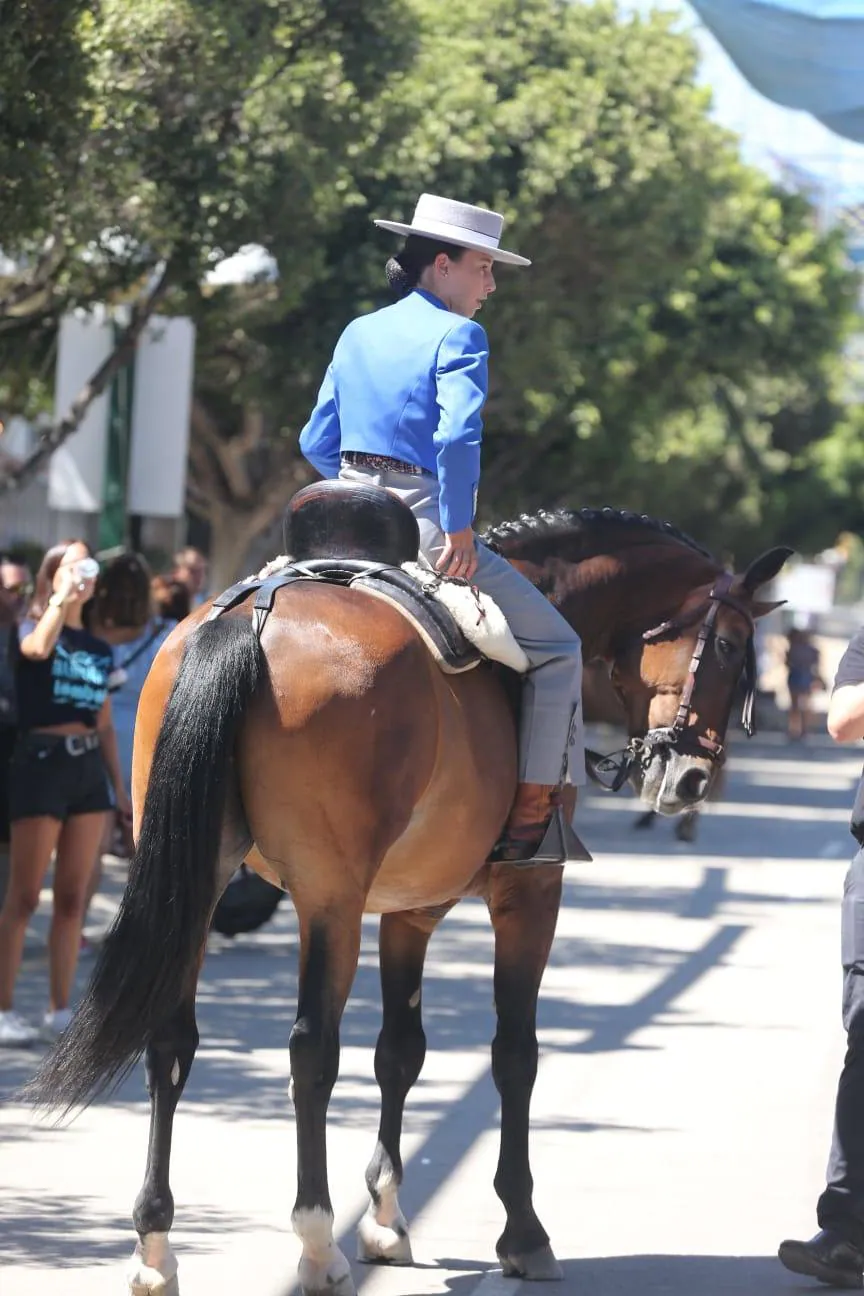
point(835, 1256)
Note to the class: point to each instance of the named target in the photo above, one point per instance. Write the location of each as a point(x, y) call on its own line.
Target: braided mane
point(563, 524)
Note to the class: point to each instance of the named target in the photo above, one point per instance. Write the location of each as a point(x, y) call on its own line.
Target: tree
point(180, 128)
point(679, 310)
point(674, 337)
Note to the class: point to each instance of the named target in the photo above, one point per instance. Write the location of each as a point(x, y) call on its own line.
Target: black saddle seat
point(336, 519)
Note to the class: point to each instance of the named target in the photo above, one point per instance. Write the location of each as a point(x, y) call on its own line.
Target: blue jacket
point(408, 381)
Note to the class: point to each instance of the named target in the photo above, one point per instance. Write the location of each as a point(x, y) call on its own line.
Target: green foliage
point(674, 347)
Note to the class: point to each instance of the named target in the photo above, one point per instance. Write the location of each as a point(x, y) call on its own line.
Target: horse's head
point(674, 628)
point(679, 680)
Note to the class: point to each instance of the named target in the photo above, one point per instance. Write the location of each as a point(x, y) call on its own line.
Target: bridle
point(679, 735)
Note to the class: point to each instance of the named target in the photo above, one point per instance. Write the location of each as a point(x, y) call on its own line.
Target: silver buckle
point(78, 744)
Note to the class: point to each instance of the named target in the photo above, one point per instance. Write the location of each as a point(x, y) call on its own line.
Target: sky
point(765, 128)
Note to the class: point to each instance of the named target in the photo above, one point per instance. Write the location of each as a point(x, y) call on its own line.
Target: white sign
point(159, 435)
point(161, 402)
point(806, 588)
point(76, 474)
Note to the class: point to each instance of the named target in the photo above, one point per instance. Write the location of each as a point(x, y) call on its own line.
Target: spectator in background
point(802, 666)
point(16, 584)
point(124, 613)
point(65, 755)
point(190, 567)
point(171, 598)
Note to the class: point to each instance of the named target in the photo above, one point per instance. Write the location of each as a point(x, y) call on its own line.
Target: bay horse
point(341, 763)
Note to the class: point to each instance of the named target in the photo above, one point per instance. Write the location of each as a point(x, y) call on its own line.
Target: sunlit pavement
point(690, 1043)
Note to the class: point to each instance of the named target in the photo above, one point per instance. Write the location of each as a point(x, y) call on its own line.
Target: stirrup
point(560, 845)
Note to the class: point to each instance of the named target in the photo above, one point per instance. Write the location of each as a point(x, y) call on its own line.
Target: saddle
point(362, 536)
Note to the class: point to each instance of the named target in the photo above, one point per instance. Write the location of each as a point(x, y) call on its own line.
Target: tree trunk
point(232, 533)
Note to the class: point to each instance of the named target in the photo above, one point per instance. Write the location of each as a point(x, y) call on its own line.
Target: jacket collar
point(430, 298)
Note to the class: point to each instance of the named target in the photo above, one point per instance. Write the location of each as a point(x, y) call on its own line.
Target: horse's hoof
point(686, 828)
point(535, 1266)
point(380, 1244)
point(168, 1287)
point(343, 1286)
point(152, 1270)
point(334, 1279)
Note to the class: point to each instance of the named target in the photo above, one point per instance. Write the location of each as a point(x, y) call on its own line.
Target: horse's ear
point(758, 610)
point(763, 569)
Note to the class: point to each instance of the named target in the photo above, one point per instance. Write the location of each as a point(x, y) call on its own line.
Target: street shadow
point(658, 1275)
point(41, 1228)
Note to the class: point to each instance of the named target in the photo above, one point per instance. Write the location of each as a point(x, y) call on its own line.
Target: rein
point(640, 751)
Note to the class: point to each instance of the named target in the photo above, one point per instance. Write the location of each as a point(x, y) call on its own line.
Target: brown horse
point(339, 761)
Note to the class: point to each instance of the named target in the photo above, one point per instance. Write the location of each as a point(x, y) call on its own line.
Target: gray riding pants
point(551, 740)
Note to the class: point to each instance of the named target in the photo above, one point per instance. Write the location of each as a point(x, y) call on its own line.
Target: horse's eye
point(727, 651)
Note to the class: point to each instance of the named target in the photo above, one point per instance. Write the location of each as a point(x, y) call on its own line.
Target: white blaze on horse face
point(175, 1073)
point(323, 1267)
point(152, 1270)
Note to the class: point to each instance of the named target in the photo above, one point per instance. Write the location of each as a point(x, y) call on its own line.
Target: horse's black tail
point(150, 957)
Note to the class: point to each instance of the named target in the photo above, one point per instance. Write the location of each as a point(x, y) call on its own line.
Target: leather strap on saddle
point(432, 620)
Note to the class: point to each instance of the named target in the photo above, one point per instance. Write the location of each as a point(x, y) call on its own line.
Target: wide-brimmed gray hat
point(458, 223)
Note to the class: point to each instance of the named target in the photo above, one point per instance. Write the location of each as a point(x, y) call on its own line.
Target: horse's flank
point(410, 798)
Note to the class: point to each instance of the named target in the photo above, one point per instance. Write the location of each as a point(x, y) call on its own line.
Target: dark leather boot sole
point(799, 1258)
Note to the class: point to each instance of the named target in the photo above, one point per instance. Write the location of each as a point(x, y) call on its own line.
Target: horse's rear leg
point(167, 1062)
point(329, 946)
point(383, 1232)
point(524, 908)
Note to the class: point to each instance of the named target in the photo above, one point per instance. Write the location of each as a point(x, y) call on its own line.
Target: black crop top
point(68, 686)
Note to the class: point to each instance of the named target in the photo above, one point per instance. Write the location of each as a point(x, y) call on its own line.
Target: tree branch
point(54, 436)
point(293, 475)
point(49, 262)
point(211, 486)
point(234, 487)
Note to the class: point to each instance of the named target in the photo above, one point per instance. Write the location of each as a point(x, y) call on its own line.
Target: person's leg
point(551, 726)
point(76, 853)
point(842, 1202)
point(32, 842)
point(836, 1254)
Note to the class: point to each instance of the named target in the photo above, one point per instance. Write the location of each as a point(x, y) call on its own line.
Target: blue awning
point(807, 56)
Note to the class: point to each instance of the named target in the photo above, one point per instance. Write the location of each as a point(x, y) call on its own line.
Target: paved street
point(690, 1043)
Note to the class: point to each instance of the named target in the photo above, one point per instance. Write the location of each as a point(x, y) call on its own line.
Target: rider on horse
point(401, 407)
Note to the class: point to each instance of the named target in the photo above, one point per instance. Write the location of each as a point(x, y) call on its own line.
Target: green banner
point(113, 521)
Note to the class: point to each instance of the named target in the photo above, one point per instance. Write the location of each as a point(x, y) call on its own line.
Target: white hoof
point(330, 1279)
point(383, 1244)
point(152, 1271)
point(535, 1266)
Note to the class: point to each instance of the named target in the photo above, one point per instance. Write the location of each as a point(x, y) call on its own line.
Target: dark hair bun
point(398, 278)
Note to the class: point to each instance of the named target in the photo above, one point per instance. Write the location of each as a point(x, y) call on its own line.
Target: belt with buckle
point(72, 744)
point(382, 463)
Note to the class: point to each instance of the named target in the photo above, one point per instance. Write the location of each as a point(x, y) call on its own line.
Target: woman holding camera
point(59, 778)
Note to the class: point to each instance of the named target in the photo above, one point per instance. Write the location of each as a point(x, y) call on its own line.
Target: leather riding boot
point(830, 1257)
point(538, 830)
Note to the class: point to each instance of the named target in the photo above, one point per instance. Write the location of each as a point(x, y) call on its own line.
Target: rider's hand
point(459, 555)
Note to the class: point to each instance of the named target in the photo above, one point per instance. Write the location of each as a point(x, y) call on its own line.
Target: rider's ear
point(763, 569)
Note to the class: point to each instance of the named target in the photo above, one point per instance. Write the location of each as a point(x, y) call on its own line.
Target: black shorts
point(46, 779)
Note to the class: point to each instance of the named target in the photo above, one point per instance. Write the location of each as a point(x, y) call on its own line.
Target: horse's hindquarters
point(362, 767)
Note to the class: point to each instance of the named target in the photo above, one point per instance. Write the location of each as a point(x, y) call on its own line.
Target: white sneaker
point(55, 1022)
point(15, 1032)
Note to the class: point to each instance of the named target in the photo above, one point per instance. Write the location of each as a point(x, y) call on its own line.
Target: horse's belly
point(454, 825)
